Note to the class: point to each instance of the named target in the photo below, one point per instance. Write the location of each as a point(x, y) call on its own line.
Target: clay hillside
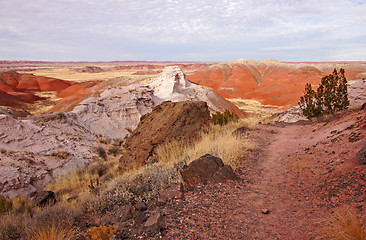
point(271, 82)
point(142, 150)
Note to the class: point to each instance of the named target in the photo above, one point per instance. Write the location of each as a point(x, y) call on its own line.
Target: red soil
point(299, 172)
point(10, 100)
point(272, 83)
point(76, 93)
point(19, 88)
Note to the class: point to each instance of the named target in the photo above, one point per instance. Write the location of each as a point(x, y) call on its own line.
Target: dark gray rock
point(361, 155)
point(204, 170)
point(44, 198)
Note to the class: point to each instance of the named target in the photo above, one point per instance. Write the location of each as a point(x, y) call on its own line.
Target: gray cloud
point(204, 30)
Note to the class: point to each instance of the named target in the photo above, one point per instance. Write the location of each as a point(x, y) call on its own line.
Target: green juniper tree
point(330, 97)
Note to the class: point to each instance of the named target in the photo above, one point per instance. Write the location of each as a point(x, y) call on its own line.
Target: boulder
point(292, 115)
point(181, 121)
point(125, 213)
point(206, 169)
point(241, 131)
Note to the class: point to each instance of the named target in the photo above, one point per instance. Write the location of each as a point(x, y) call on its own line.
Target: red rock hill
point(270, 81)
point(17, 89)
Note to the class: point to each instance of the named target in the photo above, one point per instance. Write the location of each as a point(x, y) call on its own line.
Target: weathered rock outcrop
point(172, 85)
point(357, 92)
point(27, 146)
point(117, 111)
point(181, 121)
point(204, 170)
point(90, 69)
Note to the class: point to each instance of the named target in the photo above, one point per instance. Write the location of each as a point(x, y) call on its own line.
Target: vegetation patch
point(100, 233)
point(344, 224)
point(224, 118)
point(330, 97)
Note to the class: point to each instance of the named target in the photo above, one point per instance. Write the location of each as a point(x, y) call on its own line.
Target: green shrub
point(224, 118)
point(330, 97)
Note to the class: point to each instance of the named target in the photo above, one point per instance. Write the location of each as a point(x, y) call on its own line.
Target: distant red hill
point(271, 82)
point(17, 89)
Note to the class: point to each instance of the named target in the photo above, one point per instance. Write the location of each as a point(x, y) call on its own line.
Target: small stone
point(171, 193)
point(154, 223)
point(140, 219)
point(141, 206)
point(125, 213)
point(265, 211)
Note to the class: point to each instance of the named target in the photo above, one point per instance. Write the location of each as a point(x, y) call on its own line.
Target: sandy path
point(299, 172)
point(274, 176)
point(234, 210)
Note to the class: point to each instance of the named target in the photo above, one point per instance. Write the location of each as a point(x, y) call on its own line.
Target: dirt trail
point(235, 210)
point(274, 174)
point(298, 172)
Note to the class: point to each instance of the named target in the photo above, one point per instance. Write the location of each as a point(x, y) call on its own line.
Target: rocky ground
point(296, 175)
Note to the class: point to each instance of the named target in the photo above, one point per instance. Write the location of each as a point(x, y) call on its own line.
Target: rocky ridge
point(179, 121)
point(112, 115)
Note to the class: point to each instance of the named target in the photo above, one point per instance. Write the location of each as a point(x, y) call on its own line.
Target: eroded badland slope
point(270, 82)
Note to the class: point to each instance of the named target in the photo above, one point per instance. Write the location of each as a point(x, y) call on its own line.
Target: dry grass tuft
point(60, 154)
point(142, 185)
point(100, 233)
point(344, 224)
point(300, 165)
point(101, 152)
point(86, 179)
point(54, 231)
point(44, 223)
point(217, 140)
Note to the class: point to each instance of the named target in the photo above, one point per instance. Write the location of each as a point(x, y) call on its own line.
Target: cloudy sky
point(182, 30)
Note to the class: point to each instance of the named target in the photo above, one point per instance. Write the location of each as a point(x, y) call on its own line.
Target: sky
point(183, 30)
